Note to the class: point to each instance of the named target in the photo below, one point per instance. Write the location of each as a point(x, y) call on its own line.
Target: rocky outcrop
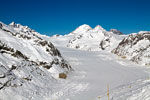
point(114, 31)
point(135, 47)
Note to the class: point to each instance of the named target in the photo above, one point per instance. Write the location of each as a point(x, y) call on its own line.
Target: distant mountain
point(97, 69)
point(28, 62)
point(86, 38)
point(135, 47)
point(82, 29)
point(115, 31)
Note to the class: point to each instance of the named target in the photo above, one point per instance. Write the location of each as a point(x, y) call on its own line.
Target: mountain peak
point(12, 23)
point(15, 25)
point(98, 28)
point(83, 28)
point(115, 31)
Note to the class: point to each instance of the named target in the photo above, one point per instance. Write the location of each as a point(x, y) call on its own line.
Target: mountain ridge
point(98, 39)
point(28, 61)
point(84, 35)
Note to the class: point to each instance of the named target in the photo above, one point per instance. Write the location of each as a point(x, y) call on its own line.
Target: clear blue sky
point(62, 16)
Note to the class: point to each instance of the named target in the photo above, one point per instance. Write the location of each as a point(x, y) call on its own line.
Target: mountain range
point(40, 67)
point(134, 46)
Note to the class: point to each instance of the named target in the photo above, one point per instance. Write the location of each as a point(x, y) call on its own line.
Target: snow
point(82, 29)
point(87, 38)
point(21, 78)
point(92, 71)
point(98, 28)
point(136, 48)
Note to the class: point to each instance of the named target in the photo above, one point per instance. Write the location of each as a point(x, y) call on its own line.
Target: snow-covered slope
point(135, 47)
point(29, 65)
point(93, 71)
point(86, 38)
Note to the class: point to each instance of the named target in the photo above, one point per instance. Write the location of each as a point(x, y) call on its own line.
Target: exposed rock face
point(27, 60)
point(1, 25)
point(105, 43)
point(135, 47)
point(114, 31)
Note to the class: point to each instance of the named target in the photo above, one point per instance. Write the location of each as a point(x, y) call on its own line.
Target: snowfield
point(93, 71)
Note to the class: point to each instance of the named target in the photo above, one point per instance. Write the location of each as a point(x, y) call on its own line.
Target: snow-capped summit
point(90, 39)
point(19, 27)
point(82, 29)
point(98, 28)
point(21, 31)
point(12, 23)
point(15, 25)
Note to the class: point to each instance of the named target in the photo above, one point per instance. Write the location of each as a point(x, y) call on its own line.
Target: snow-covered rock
point(86, 38)
point(29, 64)
point(135, 47)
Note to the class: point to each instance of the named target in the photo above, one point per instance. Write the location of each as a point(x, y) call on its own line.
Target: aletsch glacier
point(90, 57)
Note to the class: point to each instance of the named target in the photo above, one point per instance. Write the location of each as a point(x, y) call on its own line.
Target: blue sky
point(63, 16)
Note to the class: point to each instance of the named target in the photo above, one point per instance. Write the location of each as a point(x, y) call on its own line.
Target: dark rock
point(116, 32)
point(1, 25)
point(63, 75)
point(19, 54)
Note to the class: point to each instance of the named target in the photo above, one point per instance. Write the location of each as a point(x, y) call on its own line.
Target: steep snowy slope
point(86, 38)
point(135, 47)
point(29, 65)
